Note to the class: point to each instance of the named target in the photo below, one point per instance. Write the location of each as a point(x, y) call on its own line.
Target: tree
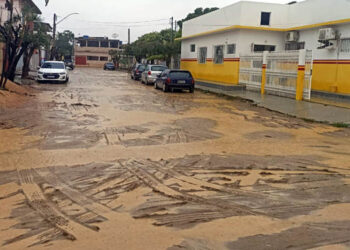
point(155, 45)
point(116, 55)
point(197, 12)
point(14, 33)
point(39, 38)
point(64, 44)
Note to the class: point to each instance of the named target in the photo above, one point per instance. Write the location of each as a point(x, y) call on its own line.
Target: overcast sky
point(107, 17)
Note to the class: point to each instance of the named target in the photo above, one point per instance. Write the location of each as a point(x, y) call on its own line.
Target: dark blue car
point(175, 79)
point(109, 66)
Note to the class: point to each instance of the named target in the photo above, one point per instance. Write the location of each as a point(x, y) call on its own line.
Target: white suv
point(53, 71)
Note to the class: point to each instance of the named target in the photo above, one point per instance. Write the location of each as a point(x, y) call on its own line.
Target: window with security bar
point(218, 54)
point(203, 54)
point(345, 45)
point(231, 49)
point(295, 46)
point(193, 47)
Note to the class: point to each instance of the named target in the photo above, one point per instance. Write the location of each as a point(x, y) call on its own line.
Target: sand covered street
point(108, 163)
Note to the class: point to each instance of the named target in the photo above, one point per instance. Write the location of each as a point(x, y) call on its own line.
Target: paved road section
point(108, 163)
point(320, 110)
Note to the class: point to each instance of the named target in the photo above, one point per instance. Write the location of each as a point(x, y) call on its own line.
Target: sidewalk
point(301, 109)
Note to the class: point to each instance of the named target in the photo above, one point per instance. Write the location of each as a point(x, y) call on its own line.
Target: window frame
point(265, 45)
point(234, 49)
point(215, 55)
point(341, 49)
point(263, 21)
point(200, 55)
point(193, 48)
point(96, 58)
point(297, 44)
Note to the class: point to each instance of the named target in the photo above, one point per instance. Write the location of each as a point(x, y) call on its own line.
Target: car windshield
point(53, 65)
point(180, 74)
point(110, 64)
point(141, 67)
point(158, 68)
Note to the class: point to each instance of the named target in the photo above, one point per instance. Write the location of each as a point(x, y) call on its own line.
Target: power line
point(117, 23)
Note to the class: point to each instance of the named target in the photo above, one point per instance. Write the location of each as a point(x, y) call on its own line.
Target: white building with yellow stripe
point(212, 43)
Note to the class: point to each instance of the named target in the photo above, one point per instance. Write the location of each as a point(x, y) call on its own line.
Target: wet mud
point(105, 161)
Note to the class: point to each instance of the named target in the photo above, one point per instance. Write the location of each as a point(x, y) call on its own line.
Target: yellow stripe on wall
point(227, 72)
point(331, 77)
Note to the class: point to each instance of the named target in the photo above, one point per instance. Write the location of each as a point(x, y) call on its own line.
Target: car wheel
point(191, 90)
point(155, 85)
point(165, 88)
point(132, 77)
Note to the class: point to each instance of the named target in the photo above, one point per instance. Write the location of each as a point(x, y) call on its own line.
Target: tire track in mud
point(200, 183)
point(159, 187)
point(75, 195)
point(37, 200)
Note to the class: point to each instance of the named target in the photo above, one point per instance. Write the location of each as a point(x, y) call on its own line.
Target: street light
point(55, 23)
point(71, 14)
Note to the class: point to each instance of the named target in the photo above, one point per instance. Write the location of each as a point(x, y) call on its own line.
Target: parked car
point(54, 71)
point(175, 79)
point(137, 70)
point(109, 66)
point(69, 63)
point(151, 72)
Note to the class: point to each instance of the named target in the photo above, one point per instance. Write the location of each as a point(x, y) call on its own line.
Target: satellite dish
point(115, 35)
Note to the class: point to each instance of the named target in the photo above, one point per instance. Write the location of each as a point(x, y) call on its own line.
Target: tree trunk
point(4, 67)
point(11, 72)
point(27, 56)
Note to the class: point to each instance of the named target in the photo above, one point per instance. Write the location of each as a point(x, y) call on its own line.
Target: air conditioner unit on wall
point(327, 34)
point(292, 36)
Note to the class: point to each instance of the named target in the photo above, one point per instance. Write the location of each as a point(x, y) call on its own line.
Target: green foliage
point(115, 55)
point(18, 34)
point(341, 125)
point(64, 43)
point(197, 12)
point(155, 45)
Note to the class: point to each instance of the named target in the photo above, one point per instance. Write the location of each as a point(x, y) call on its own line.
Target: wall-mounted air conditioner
point(292, 36)
point(327, 34)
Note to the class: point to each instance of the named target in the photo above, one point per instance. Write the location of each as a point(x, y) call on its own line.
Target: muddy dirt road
point(108, 163)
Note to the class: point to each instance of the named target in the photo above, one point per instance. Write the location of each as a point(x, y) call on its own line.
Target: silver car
point(149, 76)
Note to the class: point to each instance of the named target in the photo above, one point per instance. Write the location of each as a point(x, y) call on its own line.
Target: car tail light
point(168, 80)
point(192, 81)
point(137, 71)
point(149, 73)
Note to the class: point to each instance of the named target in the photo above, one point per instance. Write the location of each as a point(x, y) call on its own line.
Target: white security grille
point(281, 72)
point(250, 70)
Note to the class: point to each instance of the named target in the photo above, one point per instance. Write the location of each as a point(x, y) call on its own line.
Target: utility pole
point(53, 36)
point(172, 29)
point(129, 36)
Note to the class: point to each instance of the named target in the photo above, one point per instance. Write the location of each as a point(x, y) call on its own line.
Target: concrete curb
point(300, 109)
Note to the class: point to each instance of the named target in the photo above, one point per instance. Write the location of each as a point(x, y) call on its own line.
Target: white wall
point(4, 12)
point(247, 37)
point(242, 38)
point(231, 37)
point(310, 37)
point(282, 15)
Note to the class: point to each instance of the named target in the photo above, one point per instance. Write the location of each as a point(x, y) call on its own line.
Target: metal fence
point(281, 72)
point(250, 70)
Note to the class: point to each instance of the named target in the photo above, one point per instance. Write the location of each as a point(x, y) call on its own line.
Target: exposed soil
point(107, 163)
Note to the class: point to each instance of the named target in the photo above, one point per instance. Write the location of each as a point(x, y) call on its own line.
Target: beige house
point(17, 10)
point(94, 51)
